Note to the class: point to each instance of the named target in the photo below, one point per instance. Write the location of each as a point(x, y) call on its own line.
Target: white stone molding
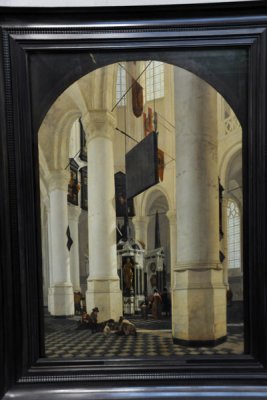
point(74, 212)
point(171, 215)
point(59, 180)
point(151, 196)
point(225, 161)
point(196, 265)
point(99, 123)
point(230, 120)
point(140, 225)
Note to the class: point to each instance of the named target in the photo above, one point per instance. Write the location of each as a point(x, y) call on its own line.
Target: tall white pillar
point(103, 286)
point(199, 295)
point(140, 226)
point(60, 297)
point(73, 214)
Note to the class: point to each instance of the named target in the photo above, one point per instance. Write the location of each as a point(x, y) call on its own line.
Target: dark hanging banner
point(137, 98)
point(121, 199)
point(69, 239)
point(83, 144)
point(142, 166)
point(73, 186)
point(84, 204)
point(148, 122)
point(221, 189)
point(161, 164)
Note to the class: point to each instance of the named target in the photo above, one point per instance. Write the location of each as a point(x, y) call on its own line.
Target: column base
point(199, 343)
point(139, 299)
point(199, 308)
point(107, 296)
point(128, 305)
point(61, 300)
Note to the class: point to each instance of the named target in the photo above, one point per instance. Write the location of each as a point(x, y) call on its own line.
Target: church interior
point(140, 167)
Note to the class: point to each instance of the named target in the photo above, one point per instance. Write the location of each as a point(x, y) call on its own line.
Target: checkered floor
point(64, 340)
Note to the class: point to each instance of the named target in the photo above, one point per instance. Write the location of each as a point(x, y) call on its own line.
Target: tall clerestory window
point(154, 80)
point(233, 235)
point(121, 86)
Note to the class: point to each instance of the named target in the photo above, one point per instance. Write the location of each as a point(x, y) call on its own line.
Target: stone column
point(199, 295)
point(60, 298)
point(74, 213)
point(103, 286)
point(140, 227)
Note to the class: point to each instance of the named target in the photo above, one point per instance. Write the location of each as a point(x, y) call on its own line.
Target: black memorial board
point(142, 166)
point(84, 203)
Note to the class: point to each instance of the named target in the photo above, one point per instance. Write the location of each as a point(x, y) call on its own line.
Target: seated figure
point(126, 327)
point(89, 321)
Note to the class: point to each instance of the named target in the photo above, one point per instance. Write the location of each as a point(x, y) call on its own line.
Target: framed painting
point(60, 67)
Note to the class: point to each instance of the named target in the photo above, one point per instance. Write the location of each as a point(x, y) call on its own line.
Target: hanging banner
point(142, 166)
point(120, 196)
point(155, 121)
point(69, 241)
point(73, 185)
point(160, 164)
point(148, 122)
point(137, 98)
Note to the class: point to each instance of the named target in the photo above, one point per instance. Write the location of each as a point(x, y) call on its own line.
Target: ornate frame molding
point(110, 35)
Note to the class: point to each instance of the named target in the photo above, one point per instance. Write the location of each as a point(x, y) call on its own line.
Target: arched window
point(154, 80)
point(121, 86)
point(233, 235)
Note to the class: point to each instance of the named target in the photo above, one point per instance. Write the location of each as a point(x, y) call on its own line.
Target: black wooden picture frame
point(34, 41)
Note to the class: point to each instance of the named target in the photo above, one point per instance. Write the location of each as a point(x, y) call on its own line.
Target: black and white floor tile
point(154, 338)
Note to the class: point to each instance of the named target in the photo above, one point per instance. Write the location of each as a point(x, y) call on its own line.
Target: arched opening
point(83, 141)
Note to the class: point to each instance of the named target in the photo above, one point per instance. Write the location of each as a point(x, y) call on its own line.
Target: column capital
point(59, 180)
point(99, 123)
point(46, 202)
point(171, 215)
point(73, 212)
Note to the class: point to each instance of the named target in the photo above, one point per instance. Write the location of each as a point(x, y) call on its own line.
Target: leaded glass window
point(233, 235)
